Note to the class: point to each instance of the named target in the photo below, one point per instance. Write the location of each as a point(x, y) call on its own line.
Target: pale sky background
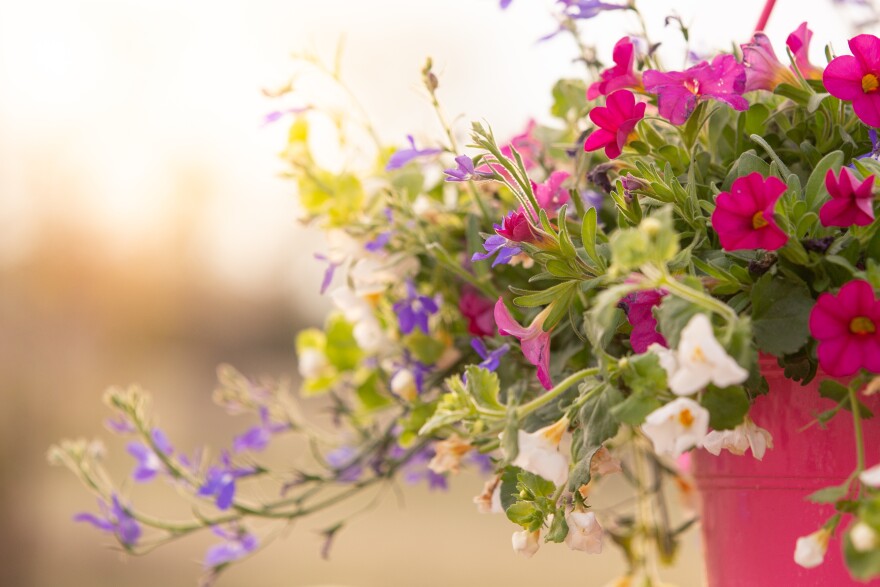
point(121, 115)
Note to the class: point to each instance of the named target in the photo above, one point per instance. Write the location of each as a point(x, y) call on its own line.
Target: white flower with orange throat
point(677, 427)
point(539, 452)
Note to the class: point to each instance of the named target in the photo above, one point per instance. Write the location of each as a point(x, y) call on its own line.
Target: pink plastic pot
point(754, 511)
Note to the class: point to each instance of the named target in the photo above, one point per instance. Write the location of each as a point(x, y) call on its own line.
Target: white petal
point(810, 550)
point(584, 532)
point(871, 477)
point(863, 537)
point(526, 543)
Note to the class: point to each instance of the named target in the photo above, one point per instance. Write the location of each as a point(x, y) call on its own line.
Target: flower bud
point(863, 537)
point(526, 543)
point(311, 362)
point(403, 385)
point(584, 532)
point(809, 552)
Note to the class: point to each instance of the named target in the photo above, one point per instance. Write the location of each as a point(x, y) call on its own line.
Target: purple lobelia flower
point(416, 469)
point(514, 228)
point(413, 311)
point(344, 462)
point(257, 438)
point(116, 519)
point(874, 153)
point(505, 4)
point(678, 92)
point(584, 9)
point(465, 171)
point(120, 425)
point(491, 359)
point(238, 544)
point(149, 463)
point(220, 482)
point(403, 156)
point(328, 272)
point(481, 461)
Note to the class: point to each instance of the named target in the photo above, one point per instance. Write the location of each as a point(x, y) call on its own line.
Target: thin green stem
point(554, 393)
point(857, 429)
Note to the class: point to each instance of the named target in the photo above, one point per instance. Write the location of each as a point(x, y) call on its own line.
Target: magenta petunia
point(550, 194)
point(639, 309)
point(847, 327)
point(616, 121)
point(799, 43)
point(856, 78)
point(764, 71)
point(478, 311)
point(678, 92)
point(621, 75)
point(534, 341)
point(850, 203)
point(743, 217)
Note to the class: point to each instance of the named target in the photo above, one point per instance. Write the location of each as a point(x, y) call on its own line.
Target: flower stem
point(765, 15)
point(558, 390)
point(857, 428)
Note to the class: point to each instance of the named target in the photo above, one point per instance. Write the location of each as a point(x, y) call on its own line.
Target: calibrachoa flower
point(550, 194)
point(856, 78)
point(403, 156)
point(116, 519)
point(258, 437)
point(850, 203)
point(413, 311)
point(846, 326)
point(220, 482)
point(477, 310)
point(747, 435)
point(621, 76)
point(238, 544)
point(678, 92)
point(810, 550)
point(584, 532)
point(514, 228)
point(799, 43)
point(464, 171)
point(534, 341)
point(763, 70)
point(491, 359)
point(539, 452)
point(616, 121)
point(700, 360)
point(639, 308)
point(677, 427)
point(149, 463)
point(743, 217)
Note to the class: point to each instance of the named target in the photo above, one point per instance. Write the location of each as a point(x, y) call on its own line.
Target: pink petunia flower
point(743, 217)
point(616, 121)
point(550, 194)
point(763, 70)
point(478, 311)
point(847, 327)
point(621, 75)
point(799, 43)
point(639, 307)
point(534, 341)
point(850, 203)
point(678, 92)
point(856, 78)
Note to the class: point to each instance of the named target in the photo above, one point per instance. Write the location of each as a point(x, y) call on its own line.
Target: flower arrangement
point(581, 300)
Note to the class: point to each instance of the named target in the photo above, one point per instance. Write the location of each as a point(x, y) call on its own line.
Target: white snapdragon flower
point(702, 360)
point(747, 435)
point(871, 477)
point(539, 454)
point(526, 543)
point(677, 427)
point(863, 537)
point(810, 550)
point(311, 363)
point(584, 532)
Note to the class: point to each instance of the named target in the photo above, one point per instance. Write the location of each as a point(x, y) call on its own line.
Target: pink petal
point(537, 352)
point(866, 48)
point(867, 108)
point(622, 101)
point(843, 77)
point(858, 296)
point(771, 237)
point(676, 103)
point(826, 320)
point(839, 213)
point(605, 117)
point(598, 139)
point(506, 324)
point(839, 357)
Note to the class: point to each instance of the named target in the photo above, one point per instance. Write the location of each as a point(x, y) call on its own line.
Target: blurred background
point(146, 236)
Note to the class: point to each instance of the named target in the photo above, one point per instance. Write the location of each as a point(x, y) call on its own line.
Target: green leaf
point(535, 486)
point(569, 98)
point(831, 494)
point(644, 373)
point(483, 386)
point(371, 394)
point(815, 187)
point(558, 528)
point(727, 406)
point(426, 349)
point(599, 426)
point(542, 298)
point(588, 236)
point(780, 314)
point(522, 513)
point(509, 492)
point(634, 409)
point(862, 565)
point(837, 392)
point(342, 349)
point(673, 314)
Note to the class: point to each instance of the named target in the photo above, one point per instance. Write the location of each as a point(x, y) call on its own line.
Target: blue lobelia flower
point(116, 519)
point(465, 171)
point(238, 544)
point(403, 156)
point(149, 463)
point(413, 311)
point(220, 482)
point(257, 438)
point(490, 358)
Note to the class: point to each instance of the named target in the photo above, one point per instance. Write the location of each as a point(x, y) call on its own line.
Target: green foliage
point(780, 314)
point(597, 424)
point(727, 406)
